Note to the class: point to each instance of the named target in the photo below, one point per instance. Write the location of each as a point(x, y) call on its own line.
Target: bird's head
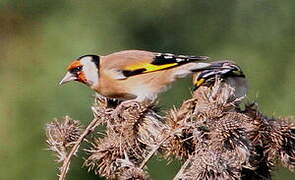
point(221, 69)
point(85, 69)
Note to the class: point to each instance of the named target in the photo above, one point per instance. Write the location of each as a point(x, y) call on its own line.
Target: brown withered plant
point(210, 133)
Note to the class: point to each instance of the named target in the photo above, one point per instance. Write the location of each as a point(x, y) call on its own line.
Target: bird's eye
point(76, 69)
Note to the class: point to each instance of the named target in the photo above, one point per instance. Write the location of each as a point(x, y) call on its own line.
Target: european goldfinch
point(230, 74)
point(132, 74)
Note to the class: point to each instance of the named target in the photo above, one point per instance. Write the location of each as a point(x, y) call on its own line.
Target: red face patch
point(74, 65)
point(81, 77)
point(76, 68)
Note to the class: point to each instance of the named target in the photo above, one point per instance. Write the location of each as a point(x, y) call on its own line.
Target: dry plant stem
point(65, 167)
point(154, 150)
point(182, 169)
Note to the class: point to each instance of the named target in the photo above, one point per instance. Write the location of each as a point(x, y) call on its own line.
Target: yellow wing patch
point(149, 67)
point(198, 83)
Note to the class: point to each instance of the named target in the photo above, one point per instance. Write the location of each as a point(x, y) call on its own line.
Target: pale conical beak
point(68, 77)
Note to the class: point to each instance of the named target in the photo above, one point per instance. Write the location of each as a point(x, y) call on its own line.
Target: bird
point(228, 72)
point(132, 74)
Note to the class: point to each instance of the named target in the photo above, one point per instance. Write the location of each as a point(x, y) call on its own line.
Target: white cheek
point(91, 75)
point(90, 71)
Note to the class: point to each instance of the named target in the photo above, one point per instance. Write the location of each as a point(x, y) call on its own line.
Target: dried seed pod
point(62, 135)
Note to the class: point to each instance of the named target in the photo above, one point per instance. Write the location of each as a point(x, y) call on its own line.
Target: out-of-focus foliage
point(39, 38)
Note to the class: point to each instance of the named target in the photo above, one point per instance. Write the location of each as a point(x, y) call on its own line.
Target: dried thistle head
point(151, 130)
point(132, 130)
point(133, 173)
point(213, 134)
point(114, 158)
point(179, 144)
point(103, 156)
point(103, 108)
point(273, 140)
point(220, 97)
point(128, 170)
point(61, 135)
point(279, 142)
point(207, 164)
point(287, 149)
point(208, 117)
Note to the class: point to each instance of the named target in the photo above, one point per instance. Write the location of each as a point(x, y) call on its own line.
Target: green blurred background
point(39, 38)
